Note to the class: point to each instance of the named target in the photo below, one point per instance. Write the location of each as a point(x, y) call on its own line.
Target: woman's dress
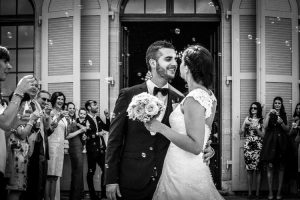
point(18, 161)
point(56, 148)
point(76, 157)
point(185, 175)
point(275, 142)
point(253, 145)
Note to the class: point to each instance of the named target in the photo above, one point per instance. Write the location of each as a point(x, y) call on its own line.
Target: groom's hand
point(208, 152)
point(112, 190)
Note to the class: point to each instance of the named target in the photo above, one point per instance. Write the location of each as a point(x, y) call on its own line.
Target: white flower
point(138, 111)
point(151, 109)
point(143, 107)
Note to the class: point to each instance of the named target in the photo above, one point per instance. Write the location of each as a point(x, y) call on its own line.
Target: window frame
point(170, 14)
point(18, 21)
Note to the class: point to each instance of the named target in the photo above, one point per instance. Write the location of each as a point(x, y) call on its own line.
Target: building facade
point(90, 49)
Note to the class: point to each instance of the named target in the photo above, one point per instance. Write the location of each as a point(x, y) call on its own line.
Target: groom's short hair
point(4, 54)
point(152, 51)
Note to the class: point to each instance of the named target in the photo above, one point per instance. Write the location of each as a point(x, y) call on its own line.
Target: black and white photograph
point(149, 99)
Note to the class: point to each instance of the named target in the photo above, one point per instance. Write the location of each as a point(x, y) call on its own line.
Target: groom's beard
point(166, 73)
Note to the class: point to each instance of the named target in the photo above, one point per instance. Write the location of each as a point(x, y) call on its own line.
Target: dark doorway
point(142, 34)
point(137, 36)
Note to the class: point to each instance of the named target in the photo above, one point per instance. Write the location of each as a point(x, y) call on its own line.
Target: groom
point(134, 158)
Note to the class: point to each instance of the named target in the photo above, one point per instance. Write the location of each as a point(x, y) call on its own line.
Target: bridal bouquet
point(144, 107)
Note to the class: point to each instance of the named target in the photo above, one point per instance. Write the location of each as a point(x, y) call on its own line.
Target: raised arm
point(294, 128)
point(283, 123)
point(261, 131)
point(9, 115)
point(105, 126)
point(266, 120)
point(25, 125)
point(242, 131)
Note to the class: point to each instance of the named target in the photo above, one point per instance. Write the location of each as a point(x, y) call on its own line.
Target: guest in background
point(253, 130)
point(294, 156)
point(8, 114)
point(95, 146)
point(18, 149)
point(56, 144)
point(82, 122)
point(74, 135)
point(274, 151)
point(38, 160)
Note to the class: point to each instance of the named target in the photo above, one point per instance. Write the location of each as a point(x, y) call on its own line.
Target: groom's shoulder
point(175, 92)
point(133, 89)
point(138, 86)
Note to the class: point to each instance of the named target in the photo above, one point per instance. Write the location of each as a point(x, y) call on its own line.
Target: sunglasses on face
point(45, 99)
point(254, 108)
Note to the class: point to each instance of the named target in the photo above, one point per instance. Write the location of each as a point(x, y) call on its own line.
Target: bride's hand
point(153, 125)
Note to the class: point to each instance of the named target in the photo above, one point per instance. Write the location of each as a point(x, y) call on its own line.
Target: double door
point(137, 36)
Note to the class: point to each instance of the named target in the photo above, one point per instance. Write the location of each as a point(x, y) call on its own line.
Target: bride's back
point(210, 120)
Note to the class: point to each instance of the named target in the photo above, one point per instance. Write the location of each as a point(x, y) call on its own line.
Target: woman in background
point(253, 130)
point(18, 146)
point(56, 144)
point(294, 156)
point(274, 151)
point(75, 151)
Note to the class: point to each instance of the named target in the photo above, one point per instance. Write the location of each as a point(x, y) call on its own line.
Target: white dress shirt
point(150, 86)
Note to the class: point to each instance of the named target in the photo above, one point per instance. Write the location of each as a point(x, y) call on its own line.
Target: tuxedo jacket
point(93, 140)
point(134, 157)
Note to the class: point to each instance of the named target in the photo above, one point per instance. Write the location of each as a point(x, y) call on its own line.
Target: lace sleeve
point(204, 99)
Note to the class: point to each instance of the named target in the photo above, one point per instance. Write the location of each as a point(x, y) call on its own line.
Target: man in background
point(39, 149)
point(95, 146)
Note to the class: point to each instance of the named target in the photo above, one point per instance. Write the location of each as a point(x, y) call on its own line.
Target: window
point(17, 34)
point(170, 7)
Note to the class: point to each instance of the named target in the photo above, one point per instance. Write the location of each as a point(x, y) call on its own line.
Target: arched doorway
point(182, 23)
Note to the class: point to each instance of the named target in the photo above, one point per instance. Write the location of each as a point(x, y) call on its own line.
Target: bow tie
point(163, 91)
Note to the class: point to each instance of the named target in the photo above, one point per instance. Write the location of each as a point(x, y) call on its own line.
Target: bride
point(185, 175)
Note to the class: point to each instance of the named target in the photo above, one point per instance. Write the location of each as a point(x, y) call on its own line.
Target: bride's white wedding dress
point(185, 175)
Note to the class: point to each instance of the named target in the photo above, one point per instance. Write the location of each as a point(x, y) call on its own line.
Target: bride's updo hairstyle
point(200, 63)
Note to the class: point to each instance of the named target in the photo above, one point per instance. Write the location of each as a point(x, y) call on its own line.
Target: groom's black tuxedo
point(134, 158)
